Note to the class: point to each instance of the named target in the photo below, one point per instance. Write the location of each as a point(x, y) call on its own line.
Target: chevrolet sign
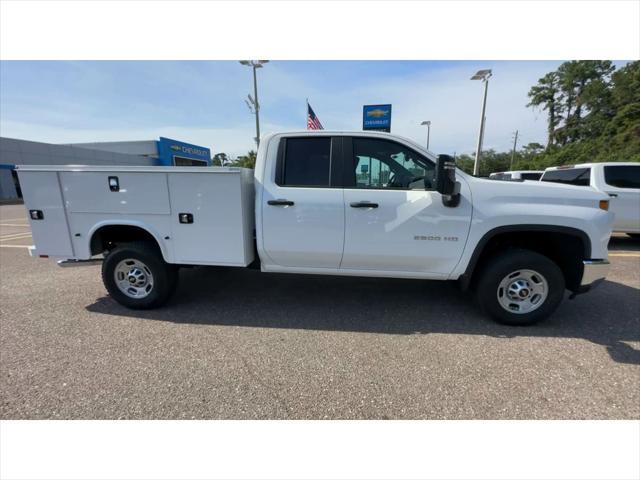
point(170, 149)
point(376, 117)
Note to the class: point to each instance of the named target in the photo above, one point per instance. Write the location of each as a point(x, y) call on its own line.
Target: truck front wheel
point(136, 276)
point(520, 287)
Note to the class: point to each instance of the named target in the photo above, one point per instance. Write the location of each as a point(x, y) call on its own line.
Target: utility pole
point(513, 152)
point(253, 104)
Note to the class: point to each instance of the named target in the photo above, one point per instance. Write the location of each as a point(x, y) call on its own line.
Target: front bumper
point(593, 272)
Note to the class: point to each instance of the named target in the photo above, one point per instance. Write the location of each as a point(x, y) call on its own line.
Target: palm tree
point(246, 161)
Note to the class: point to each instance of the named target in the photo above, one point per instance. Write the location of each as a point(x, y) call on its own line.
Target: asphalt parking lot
point(240, 344)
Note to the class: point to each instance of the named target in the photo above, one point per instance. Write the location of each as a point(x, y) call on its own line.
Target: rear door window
point(307, 162)
point(570, 176)
point(623, 176)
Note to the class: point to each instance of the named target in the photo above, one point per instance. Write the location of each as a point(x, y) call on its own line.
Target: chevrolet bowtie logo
point(377, 113)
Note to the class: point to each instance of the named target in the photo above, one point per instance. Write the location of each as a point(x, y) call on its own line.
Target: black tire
point(635, 236)
point(500, 266)
point(165, 276)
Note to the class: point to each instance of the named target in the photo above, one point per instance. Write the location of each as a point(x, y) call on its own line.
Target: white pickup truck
point(619, 180)
point(332, 203)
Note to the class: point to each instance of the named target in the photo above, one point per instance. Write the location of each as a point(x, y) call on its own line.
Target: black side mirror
point(446, 183)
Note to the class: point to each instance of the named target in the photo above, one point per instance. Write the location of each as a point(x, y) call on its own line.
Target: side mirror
point(446, 183)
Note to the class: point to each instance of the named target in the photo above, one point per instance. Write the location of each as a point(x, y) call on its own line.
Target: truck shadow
point(624, 242)
point(608, 316)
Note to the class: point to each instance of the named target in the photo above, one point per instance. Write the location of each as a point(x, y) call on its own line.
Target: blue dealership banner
point(376, 117)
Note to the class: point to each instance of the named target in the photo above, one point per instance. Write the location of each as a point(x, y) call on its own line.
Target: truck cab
point(355, 204)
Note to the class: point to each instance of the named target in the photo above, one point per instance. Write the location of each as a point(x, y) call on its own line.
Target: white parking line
point(15, 246)
point(14, 236)
point(14, 224)
point(11, 235)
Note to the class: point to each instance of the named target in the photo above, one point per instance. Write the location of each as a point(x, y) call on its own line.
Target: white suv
point(620, 180)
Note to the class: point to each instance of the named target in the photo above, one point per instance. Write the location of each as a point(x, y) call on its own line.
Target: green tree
point(220, 159)
point(465, 163)
point(246, 161)
point(490, 162)
point(600, 115)
point(575, 78)
point(545, 95)
point(532, 149)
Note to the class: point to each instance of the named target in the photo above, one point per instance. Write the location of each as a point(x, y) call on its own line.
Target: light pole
point(484, 76)
point(513, 152)
point(253, 104)
point(428, 124)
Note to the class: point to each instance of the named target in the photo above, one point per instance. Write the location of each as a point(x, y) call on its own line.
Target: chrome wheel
point(133, 278)
point(522, 291)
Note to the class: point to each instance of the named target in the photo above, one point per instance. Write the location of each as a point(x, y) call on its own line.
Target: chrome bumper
point(594, 271)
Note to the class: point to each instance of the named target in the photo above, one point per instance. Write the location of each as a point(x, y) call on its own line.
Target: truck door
point(394, 219)
point(623, 186)
point(302, 209)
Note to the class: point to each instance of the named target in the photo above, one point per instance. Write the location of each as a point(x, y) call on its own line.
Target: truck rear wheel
point(520, 287)
point(136, 276)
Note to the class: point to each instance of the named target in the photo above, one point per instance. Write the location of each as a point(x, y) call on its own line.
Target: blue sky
point(202, 102)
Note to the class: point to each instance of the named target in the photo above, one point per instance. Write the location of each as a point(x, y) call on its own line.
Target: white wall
point(147, 148)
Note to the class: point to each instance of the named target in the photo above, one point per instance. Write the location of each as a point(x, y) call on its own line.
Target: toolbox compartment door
point(41, 191)
point(136, 193)
point(215, 232)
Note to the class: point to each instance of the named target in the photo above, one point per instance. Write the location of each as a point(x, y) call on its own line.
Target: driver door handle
point(364, 205)
point(613, 195)
point(280, 202)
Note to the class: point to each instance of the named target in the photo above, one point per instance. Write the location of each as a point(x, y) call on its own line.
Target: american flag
point(312, 121)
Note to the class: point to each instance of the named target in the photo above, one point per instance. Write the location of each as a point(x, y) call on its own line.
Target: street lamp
point(252, 103)
point(428, 124)
point(484, 76)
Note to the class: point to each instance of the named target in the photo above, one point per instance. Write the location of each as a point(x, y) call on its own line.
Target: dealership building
point(161, 152)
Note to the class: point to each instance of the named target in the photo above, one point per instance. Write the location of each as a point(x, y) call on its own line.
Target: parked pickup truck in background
point(619, 180)
point(517, 175)
point(332, 203)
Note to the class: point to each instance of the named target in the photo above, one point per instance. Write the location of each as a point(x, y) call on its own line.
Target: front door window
point(383, 164)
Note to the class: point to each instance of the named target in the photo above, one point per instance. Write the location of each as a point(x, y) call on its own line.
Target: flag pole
point(306, 113)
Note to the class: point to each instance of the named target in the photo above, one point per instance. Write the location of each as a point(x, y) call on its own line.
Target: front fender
point(491, 218)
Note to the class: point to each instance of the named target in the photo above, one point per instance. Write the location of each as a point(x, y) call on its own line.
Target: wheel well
point(108, 237)
point(565, 248)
